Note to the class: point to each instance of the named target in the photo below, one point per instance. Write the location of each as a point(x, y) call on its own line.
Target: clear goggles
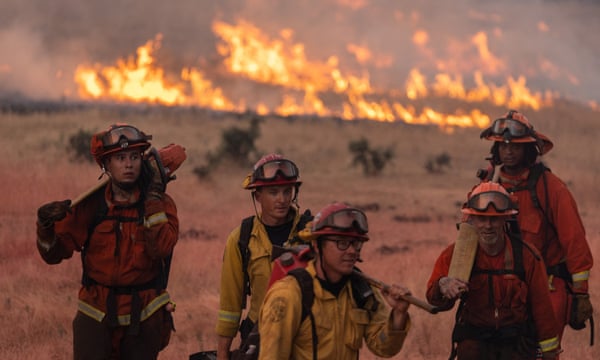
point(270, 170)
point(123, 136)
point(344, 244)
point(345, 220)
point(482, 201)
point(514, 127)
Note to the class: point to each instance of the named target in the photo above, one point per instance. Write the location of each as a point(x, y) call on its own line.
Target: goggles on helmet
point(482, 201)
point(122, 136)
point(269, 170)
point(514, 127)
point(345, 220)
point(344, 244)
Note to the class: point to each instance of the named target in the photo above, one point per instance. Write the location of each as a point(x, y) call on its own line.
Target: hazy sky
point(40, 39)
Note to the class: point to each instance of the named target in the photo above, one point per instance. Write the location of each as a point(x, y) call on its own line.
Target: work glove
point(581, 311)
point(158, 178)
point(52, 212)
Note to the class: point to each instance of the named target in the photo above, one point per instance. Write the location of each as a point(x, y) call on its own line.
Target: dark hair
point(530, 154)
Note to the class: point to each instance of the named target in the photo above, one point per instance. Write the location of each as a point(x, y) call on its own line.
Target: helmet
point(514, 127)
point(337, 219)
point(489, 199)
point(116, 138)
point(270, 170)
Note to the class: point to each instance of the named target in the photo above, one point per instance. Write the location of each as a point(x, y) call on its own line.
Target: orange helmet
point(489, 199)
point(337, 219)
point(116, 138)
point(514, 127)
point(270, 170)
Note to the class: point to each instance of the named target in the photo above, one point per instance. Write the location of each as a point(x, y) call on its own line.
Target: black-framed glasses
point(514, 127)
point(345, 220)
point(269, 170)
point(344, 244)
point(122, 136)
point(482, 201)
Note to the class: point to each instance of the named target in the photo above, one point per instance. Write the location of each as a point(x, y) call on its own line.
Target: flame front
point(306, 87)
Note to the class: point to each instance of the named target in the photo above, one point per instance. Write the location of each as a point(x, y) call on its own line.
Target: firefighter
point(125, 232)
point(274, 183)
point(344, 311)
point(548, 215)
point(505, 310)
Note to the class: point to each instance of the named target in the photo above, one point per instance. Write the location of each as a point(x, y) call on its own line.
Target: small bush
point(438, 163)
point(237, 145)
point(79, 146)
point(373, 161)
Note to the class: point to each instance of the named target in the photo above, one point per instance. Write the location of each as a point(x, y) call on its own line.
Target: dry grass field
point(412, 212)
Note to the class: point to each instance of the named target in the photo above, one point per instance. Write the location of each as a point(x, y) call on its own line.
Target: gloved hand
point(158, 180)
point(581, 311)
point(52, 212)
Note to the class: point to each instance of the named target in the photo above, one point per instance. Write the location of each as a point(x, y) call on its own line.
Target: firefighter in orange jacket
point(126, 232)
point(505, 310)
point(548, 215)
point(337, 326)
point(274, 183)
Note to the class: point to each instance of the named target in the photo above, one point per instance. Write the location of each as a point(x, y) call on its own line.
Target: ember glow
point(306, 86)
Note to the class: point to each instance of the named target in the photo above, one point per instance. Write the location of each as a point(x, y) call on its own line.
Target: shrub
point(79, 146)
point(436, 164)
point(373, 161)
point(237, 145)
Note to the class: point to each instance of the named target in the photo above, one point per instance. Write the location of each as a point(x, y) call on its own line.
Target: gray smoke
point(42, 41)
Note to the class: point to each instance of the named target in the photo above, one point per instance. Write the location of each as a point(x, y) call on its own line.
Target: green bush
point(436, 164)
point(237, 145)
point(79, 146)
point(373, 161)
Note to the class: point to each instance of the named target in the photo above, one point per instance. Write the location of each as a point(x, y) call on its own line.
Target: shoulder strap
point(362, 292)
point(245, 231)
point(305, 281)
point(304, 219)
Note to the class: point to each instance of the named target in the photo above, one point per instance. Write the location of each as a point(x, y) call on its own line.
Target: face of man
point(491, 232)
point(339, 255)
point(124, 167)
point(275, 202)
point(512, 155)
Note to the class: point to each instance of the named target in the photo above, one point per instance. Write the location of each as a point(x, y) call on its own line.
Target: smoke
point(553, 43)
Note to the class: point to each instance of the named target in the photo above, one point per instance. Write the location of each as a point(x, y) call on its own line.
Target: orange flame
point(280, 62)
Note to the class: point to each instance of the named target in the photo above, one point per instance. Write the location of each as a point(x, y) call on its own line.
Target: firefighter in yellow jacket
point(338, 325)
point(274, 183)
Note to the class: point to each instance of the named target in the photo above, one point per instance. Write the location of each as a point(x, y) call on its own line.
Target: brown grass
point(414, 221)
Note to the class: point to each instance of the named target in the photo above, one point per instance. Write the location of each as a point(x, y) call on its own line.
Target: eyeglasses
point(345, 220)
point(344, 244)
point(269, 170)
point(515, 128)
point(122, 136)
point(482, 201)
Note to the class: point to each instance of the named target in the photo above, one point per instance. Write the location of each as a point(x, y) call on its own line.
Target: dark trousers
point(93, 340)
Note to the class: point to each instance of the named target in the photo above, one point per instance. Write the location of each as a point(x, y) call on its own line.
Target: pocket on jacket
point(355, 333)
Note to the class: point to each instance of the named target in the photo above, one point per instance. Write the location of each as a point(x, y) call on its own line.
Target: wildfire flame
point(307, 85)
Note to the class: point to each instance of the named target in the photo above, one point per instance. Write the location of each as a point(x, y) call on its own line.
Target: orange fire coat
point(119, 254)
point(506, 302)
point(568, 244)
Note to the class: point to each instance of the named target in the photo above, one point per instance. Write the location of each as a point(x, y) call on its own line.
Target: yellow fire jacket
point(232, 275)
point(341, 327)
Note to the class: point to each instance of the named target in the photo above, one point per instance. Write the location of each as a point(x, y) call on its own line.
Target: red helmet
point(489, 199)
point(514, 127)
point(116, 138)
point(337, 219)
point(270, 170)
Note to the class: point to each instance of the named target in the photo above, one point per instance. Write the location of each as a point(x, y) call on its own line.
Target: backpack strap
point(305, 281)
point(362, 292)
point(245, 231)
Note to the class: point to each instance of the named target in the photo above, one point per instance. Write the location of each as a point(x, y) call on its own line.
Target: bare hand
point(394, 295)
point(452, 288)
